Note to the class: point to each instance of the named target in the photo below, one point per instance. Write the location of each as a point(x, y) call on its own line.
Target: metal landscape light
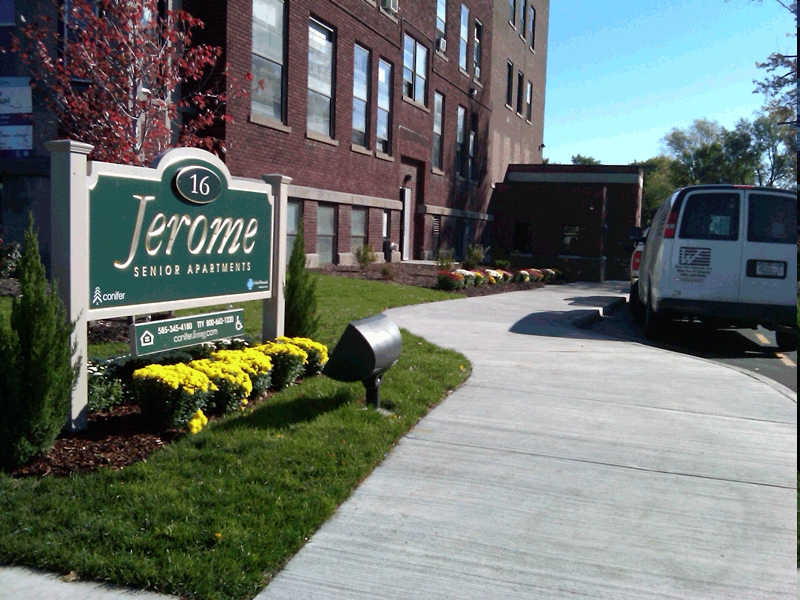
point(365, 351)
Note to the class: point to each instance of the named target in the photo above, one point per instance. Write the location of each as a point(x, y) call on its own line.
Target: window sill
point(372, 2)
point(522, 37)
point(436, 171)
point(519, 114)
point(360, 149)
point(514, 27)
point(268, 122)
point(422, 107)
point(442, 56)
point(509, 107)
point(463, 72)
point(380, 155)
point(317, 137)
point(388, 15)
point(460, 178)
point(532, 50)
point(477, 82)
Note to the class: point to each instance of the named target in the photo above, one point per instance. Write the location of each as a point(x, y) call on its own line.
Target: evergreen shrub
point(365, 256)
point(300, 293)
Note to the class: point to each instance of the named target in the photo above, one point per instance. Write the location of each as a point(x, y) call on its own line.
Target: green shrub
point(448, 280)
point(444, 260)
point(502, 264)
point(36, 371)
point(123, 367)
point(475, 254)
point(387, 272)
point(9, 258)
point(170, 395)
point(104, 392)
point(300, 293)
point(365, 256)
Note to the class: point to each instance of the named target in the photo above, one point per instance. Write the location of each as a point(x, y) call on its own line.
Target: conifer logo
point(97, 297)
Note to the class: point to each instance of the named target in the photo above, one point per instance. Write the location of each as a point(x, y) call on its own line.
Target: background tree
point(658, 184)
point(584, 160)
point(774, 142)
point(118, 75)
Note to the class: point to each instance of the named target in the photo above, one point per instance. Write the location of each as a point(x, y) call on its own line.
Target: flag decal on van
point(694, 264)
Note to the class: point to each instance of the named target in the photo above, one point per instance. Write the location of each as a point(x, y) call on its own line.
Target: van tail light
point(672, 223)
point(637, 260)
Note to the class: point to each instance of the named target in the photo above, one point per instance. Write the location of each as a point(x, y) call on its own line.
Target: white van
point(725, 254)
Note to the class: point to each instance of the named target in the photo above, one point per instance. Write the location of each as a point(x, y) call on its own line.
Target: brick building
point(575, 218)
point(391, 116)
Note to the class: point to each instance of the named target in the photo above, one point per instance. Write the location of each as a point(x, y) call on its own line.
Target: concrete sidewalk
point(568, 465)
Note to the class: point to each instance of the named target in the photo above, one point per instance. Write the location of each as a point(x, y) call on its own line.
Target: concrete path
point(568, 466)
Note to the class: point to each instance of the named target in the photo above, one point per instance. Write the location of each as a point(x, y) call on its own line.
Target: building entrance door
point(411, 224)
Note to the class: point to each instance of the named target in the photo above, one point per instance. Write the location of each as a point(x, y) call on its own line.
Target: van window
point(711, 216)
point(772, 218)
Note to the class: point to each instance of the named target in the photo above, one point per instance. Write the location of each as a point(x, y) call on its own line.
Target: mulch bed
point(121, 436)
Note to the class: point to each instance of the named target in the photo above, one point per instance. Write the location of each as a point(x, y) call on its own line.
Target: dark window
point(570, 240)
point(461, 136)
point(463, 42)
point(523, 235)
point(384, 129)
point(472, 162)
point(711, 216)
point(320, 79)
point(529, 100)
point(415, 70)
point(512, 11)
point(509, 83)
point(520, 91)
point(294, 216)
point(438, 127)
point(522, 8)
point(361, 69)
point(326, 233)
point(532, 28)
point(476, 52)
point(358, 228)
point(267, 59)
point(441, 18)
point(772, 218)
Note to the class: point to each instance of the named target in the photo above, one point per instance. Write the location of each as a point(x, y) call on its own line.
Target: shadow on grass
point(299, 410)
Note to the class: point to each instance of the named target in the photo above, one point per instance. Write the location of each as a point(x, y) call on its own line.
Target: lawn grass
point(214, 515)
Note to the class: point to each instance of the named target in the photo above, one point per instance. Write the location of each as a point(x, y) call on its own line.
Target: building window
point(472, 163)
point(438, 120)
point(267, 59)
point(320, 79)
point(512, 11)
point(326, 233)
point(461, 139)
point(476, 52)
point(441, 19)
point(570, 239)
point(294, 215)
point(529, 100)
point(384, 130)
point(463, 44)
point(523, 235)
point(358, 228)
point(522, 11)
point(509, 83)
point(415, 70)
point(532, 27)
point(361, 69)
point(386, 224)
point(520, 92)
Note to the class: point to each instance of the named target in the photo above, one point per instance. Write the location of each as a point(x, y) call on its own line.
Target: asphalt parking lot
point(753, 350)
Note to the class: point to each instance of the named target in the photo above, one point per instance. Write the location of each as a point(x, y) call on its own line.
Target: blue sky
point(622, 73)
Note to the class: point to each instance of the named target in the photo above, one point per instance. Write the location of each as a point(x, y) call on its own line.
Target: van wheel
point(787, 341)
point(653, 322)
point(635, 305)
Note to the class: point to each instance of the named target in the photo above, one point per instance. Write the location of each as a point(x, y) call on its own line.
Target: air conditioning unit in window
point(441, 45)
point(477, 72)
point(390, 6)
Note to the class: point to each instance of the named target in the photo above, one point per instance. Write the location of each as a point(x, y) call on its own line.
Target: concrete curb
point(583, 320)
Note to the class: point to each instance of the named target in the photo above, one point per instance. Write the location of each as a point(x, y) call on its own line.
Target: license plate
point(766, 268)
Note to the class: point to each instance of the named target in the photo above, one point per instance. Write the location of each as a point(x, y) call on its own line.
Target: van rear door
point(769, 260)
point(706, 256)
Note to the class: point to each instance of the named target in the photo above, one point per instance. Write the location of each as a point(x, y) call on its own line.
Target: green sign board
point(182, 230)
point(169, 334)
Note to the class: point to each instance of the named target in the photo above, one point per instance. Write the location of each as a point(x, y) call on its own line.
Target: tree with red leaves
point(126, 79)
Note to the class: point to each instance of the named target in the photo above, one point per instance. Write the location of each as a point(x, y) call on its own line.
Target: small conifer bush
point(365, 256)
point(36, 370)
point(300, 293)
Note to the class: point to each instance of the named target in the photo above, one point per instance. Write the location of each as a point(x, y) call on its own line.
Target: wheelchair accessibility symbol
point(239, 326)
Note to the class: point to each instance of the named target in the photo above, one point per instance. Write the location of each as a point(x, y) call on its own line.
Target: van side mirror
point(636, 234)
